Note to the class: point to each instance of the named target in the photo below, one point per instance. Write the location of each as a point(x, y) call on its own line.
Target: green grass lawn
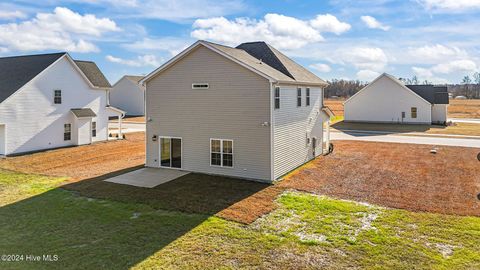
point(306, 231)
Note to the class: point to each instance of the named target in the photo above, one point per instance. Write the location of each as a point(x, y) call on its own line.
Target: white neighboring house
point(49, 101)
point(127, 94)
point(247, 112)
point(388, 100)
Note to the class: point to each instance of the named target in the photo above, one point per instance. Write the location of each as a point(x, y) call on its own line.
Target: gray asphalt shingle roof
point(431, 93)
point(16, 71)
point(83, 112)
point(269, 61)
point(93, 73)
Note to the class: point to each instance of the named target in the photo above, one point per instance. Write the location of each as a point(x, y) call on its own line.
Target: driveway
point(432, 139)
point(465, 120)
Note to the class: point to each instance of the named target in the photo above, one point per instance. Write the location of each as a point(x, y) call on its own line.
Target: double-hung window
point(307, 97)
point(413, 112)
point(57, 96)
point(277, 98)
point(67, 132)
point(94, 129)
point(221, 152)
point(299, 97)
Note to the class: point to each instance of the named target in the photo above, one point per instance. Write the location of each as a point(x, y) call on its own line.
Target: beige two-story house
point(248, 112)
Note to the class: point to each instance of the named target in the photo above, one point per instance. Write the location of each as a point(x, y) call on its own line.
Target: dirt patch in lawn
point(469, 108)
point(336, 105)
point(82, 162)
point(396, 175)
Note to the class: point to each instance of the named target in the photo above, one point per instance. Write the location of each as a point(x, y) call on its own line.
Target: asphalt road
point(359, 136)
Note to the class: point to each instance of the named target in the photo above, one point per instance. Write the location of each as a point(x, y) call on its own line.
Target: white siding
point(33, 122)
point(291, 126)
point(2, 139)
point(234, 107)
point(128, 96)
point(439, 113)
point(383, 101)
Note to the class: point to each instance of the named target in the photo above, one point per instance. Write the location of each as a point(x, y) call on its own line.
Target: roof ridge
point(30, 55)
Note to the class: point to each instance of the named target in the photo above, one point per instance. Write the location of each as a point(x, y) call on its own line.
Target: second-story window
point(277, 98)
point(57, 96)
point(299, 97)
point(94, 129)
point(307, 97)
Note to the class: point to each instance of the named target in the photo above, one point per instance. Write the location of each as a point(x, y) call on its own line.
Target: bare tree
point(466, 83)
point(476, 79)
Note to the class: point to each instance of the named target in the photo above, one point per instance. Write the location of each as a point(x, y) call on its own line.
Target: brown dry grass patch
point(469, 108)
point(335, 105)
point(82, 162)
point(396, 175)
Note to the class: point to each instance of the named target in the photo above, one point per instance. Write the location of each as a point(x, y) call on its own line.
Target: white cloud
point(177, 11)
point(9, 15)
point(367, 75)
point(426, 74)
point(367, 58)
point(436, 53)
point(373, 23)
point(141, 61)
point(321, 67)
point(61, 30)
point(329, 23)
point(172, 45)
point(281, 31)
point(455, 66)
point(450, 5)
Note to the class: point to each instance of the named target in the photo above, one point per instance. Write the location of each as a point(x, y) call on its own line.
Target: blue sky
point(436, 40)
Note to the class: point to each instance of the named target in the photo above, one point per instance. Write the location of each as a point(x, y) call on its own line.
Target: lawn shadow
point(98, 224)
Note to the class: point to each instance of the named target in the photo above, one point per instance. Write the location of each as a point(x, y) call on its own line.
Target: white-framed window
point(413, 112)
point(57, 96)
point(67, 132)
point(221, 152)
point(299, 97)
point(307, 97)
point(200, 85)
point(94, 129)
point(277, 98)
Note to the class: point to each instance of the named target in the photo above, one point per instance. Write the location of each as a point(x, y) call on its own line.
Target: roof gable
point(250, 62)
point(17, 71)
point(392, 78)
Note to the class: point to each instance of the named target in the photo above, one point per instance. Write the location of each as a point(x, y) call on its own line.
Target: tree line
point(470, 87)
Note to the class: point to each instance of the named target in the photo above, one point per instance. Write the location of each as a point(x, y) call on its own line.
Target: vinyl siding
point(291, 126)
point(439, 113)
point(234, 107)
point(33, 122)
point(384, 101)
point(128, 96)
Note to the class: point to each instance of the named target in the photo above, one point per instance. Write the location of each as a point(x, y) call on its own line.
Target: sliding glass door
point(171, 152)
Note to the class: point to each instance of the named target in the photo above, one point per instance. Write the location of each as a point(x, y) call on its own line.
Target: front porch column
point(328, 136)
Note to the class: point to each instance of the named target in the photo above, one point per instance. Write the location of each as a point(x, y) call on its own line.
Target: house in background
point(248, 112)
point(388, 100)
point(127, 94)
point(49, 101)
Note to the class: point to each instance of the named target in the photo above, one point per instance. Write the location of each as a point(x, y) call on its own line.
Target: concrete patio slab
point(147, 177)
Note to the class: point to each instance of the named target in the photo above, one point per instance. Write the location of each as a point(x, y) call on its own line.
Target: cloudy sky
point(437, 40)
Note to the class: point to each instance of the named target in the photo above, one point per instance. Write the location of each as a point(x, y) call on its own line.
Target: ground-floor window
point(94, 129)
point(413, 112)
point(221, 152)
point(67, 132)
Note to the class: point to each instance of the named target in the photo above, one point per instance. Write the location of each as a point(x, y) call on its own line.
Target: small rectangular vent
point(200, 86)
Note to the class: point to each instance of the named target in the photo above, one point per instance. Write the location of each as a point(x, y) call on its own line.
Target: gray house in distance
point(248, 112)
